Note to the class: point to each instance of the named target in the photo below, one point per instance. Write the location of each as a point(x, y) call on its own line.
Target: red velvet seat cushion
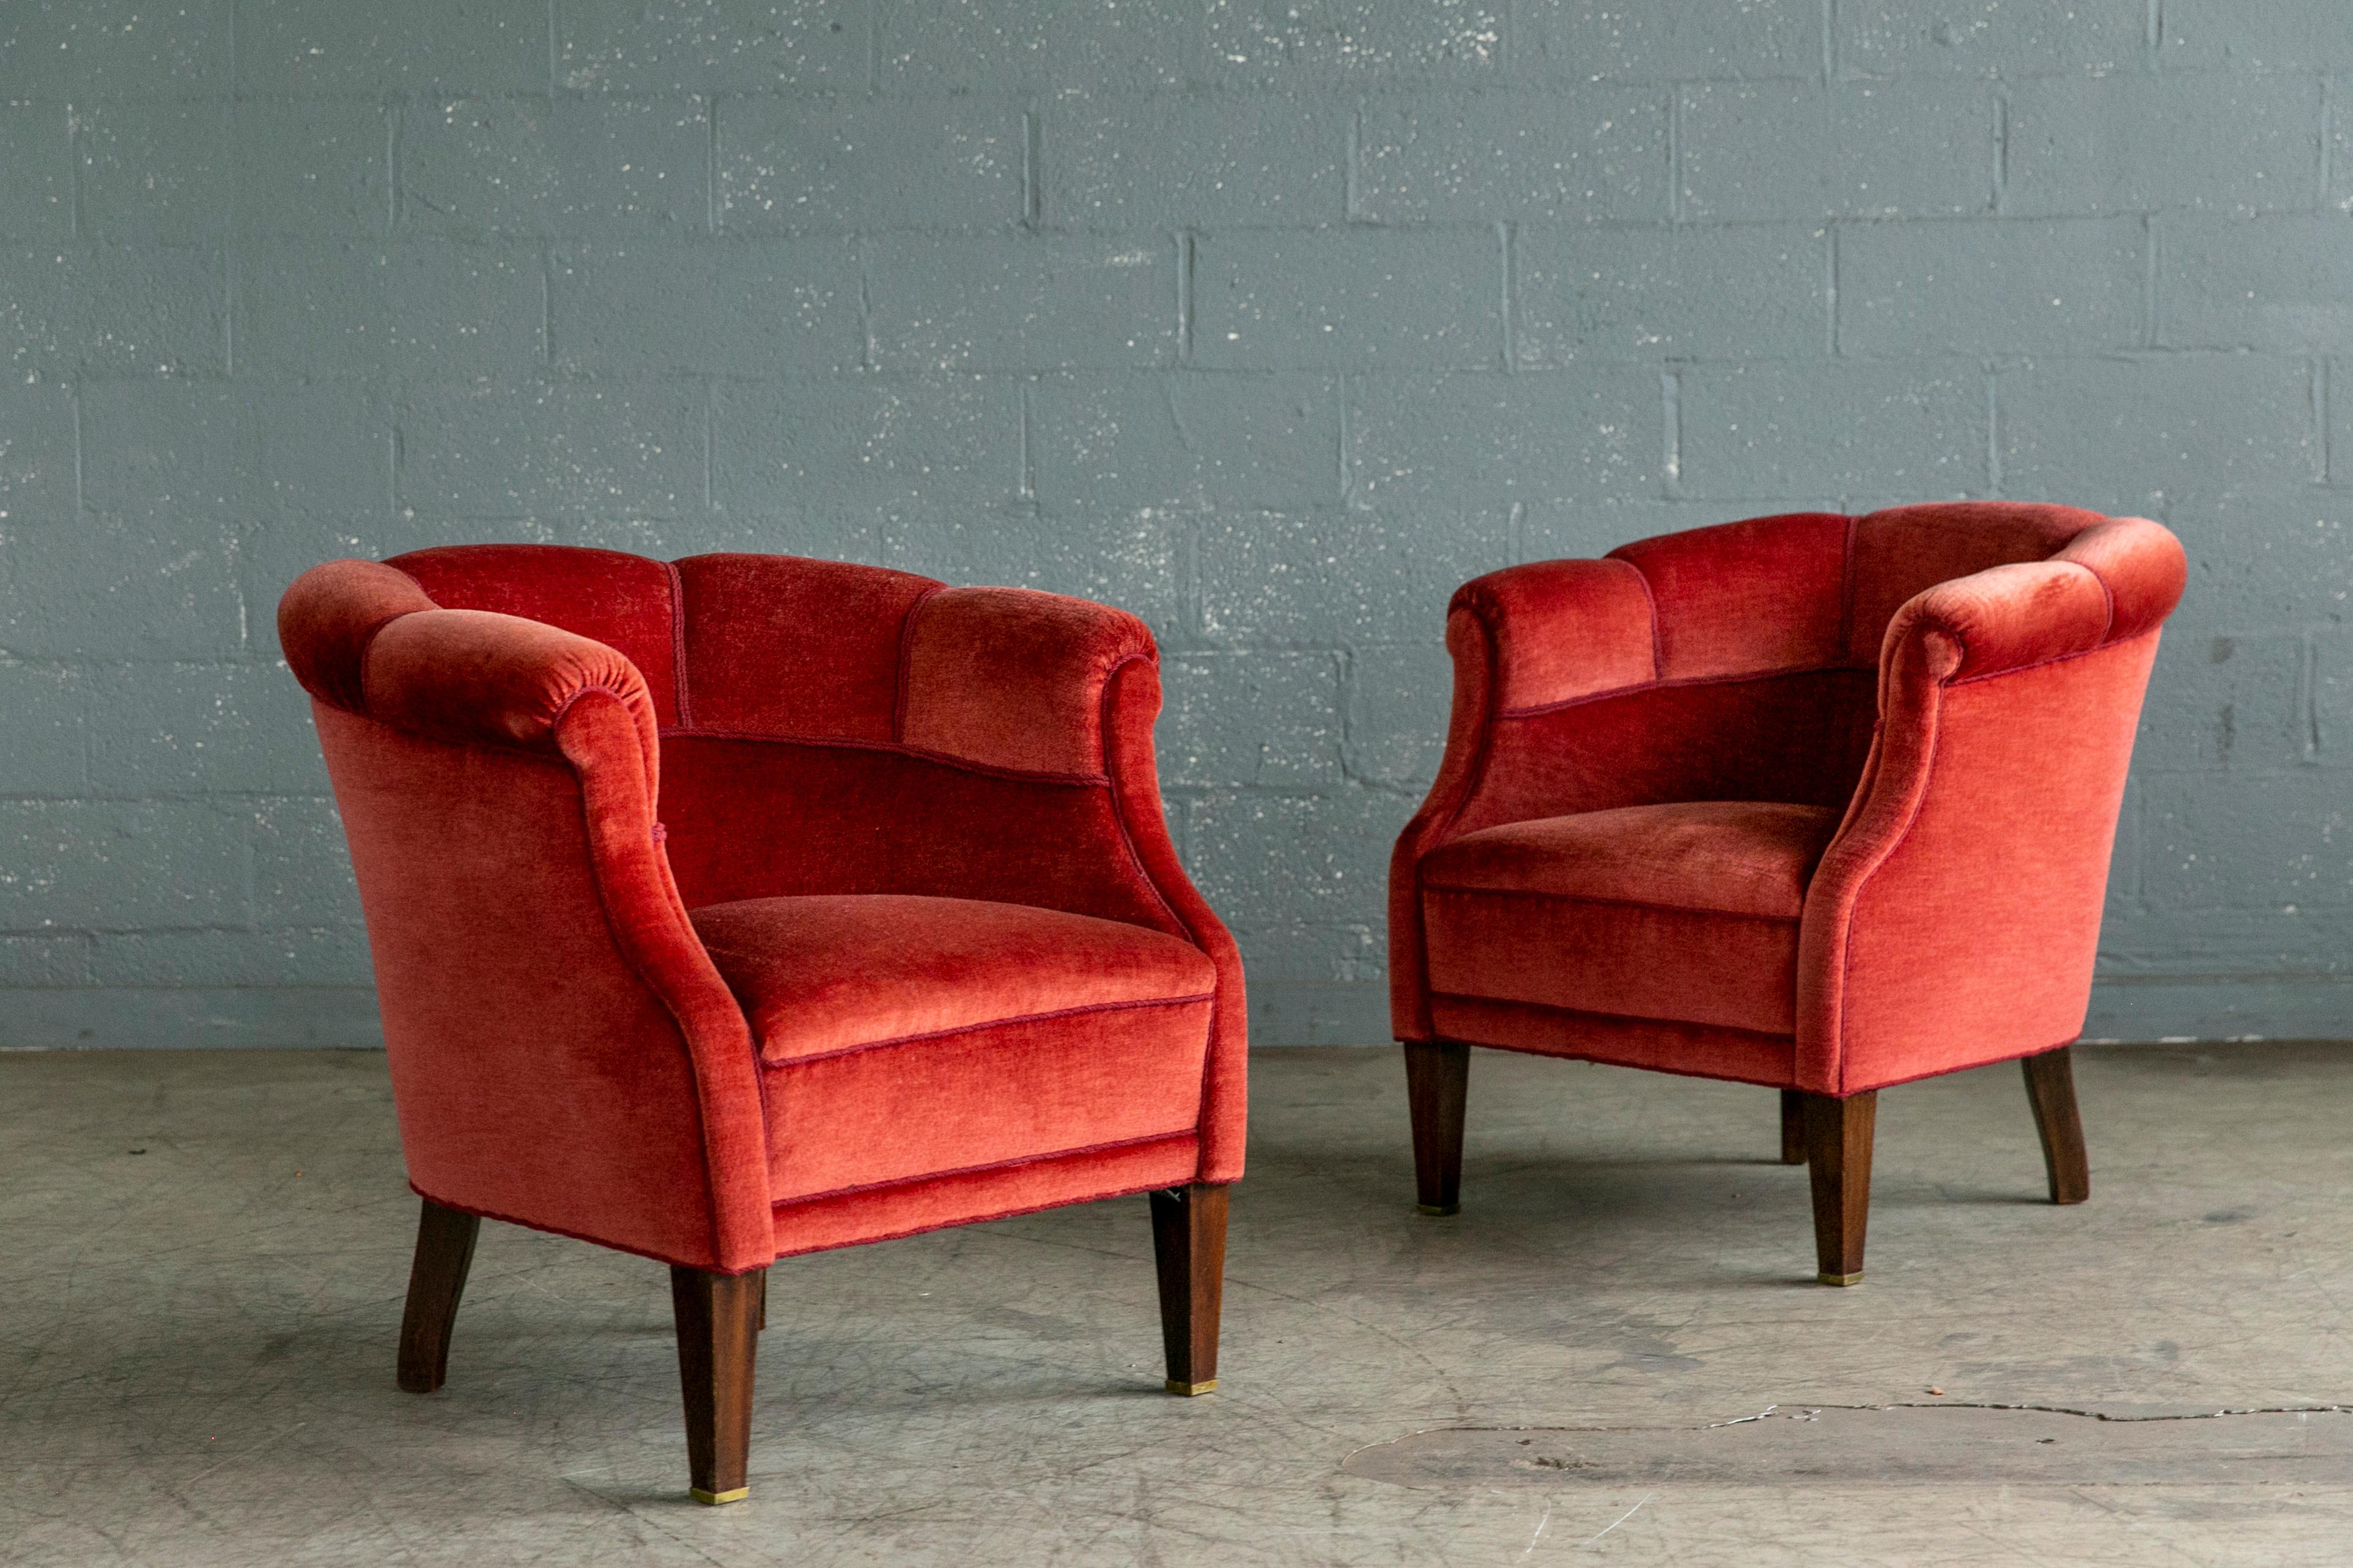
point(903, 1036)
point(1685, 912)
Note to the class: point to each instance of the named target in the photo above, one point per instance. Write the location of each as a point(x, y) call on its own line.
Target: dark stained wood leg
point(2051, 1087)
point(764, 1301)
point(1436, 1080)
point(717, 1341)
point(1838, 1155)
point(1793, 1128)
point(445, 1251)
point(1189, 1242)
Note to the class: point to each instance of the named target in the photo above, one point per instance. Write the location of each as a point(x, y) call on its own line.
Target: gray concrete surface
point(1271, 320)
point(202, 1256)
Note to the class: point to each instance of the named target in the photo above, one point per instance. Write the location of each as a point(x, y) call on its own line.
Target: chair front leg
point(718, 1337)
point(1838, 1155)
point(2051, 1087)
point(1793, 1127)
point(1189, 1242)
point(437, 1278)
point(1437, 1083)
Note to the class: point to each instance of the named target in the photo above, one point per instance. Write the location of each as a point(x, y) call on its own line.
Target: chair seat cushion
point(901, 1036)
point(1686, 911)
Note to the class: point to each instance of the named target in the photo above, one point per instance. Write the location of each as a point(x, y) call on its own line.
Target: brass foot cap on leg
point(1189, 1389)
point(1853, 1279)
point(1438, 1211)
point(714, 1499)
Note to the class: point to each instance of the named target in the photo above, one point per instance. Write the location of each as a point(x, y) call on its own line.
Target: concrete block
point(70, 49)
point(1121, 163)
point(665, 306)
point(967, 44)
point(1990, 37)
point(710, 45)
point(1135, 561)
point(1187, 439)
point(1022, 302)
point(1991, 286)
point(1484, 439)
point(834, 533)
point(153, 171)
point(867, 442)
point(2282, 283)
point(1250, 719)
point(439, 307)
point(1281, 40)
point(168, 452)
point(1812, 434)
point(2132, 434)
point(1588, 530)
point(856, 164)
point(1265, 859)
point(120, 865)
point(324, 46)
point(180, 729)
point(2140, 143)
point(92, 585)
point(2281, 841)
point(47, 707)
point(569, 166)
point(1681, 292)
point(514, 450)
point(36, 171)
point(45, 960)
point(1670, 40)
point(113, 310)
point(1335, 579)
point(271, 554)
point(1760, 151)
point(312, 166)
point(2268, 556)
point(1398, 697)
point(1347, 299)
point(2225, 701)
point(1574, 153)
point(2275, 35)
point(278, 958)
point(302, 866)
point(39, 458)
point(2331, 727)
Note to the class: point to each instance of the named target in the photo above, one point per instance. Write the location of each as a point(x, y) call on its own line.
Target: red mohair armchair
point(744, 906)
point(1814, 802)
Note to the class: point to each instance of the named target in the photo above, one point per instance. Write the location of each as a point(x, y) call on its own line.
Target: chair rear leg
point(437, 1278)
point(1436, 1080)
point(1838, 1155)
point(2050, 1087)
point(1189, 1242)
point(718, 1338)
point(1793, 1128)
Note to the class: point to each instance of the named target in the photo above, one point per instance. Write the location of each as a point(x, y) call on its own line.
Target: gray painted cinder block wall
point(1271, 320)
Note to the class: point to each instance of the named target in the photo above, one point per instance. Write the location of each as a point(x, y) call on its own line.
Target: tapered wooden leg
point(437, 1278)
point(1189, 1242)
point(718, 1337)
point(1838, 1155)
point(1437, 1080)
point(764, 1301)
point(1793, 1128)
point(2051, 1087)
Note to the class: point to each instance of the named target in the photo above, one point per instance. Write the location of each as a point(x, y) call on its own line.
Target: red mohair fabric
point(1918, 722)
point(1037, 1009)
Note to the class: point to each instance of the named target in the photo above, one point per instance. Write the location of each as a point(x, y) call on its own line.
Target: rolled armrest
point(1561, 630)
point(2002, 618)
point(1013, 679)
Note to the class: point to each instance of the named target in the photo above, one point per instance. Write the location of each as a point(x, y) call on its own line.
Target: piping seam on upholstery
point(1658, 632)
point(864, 1045)
point(1768, 1036)
point(1862, 882)
point(1119, 809)
point(894, 748)
point(1846, 591)
point(1614, 903)
point(1014, 1163)
point(680, 695)
point(906, 645)
point(1740, 678)
point(2054, 658)
point(559, 1230)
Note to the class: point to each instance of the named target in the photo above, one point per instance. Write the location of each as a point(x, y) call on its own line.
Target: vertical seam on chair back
point(1846, 595)
point(680, 692)
point(907, 647)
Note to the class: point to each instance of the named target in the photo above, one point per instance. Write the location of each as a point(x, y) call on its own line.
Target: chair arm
point(1014, 679)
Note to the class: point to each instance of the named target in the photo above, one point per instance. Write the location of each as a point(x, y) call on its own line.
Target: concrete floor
point(202, 1258)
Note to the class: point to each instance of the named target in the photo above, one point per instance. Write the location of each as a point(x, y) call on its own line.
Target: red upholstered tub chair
point(904, 944)
point(1814, 802)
